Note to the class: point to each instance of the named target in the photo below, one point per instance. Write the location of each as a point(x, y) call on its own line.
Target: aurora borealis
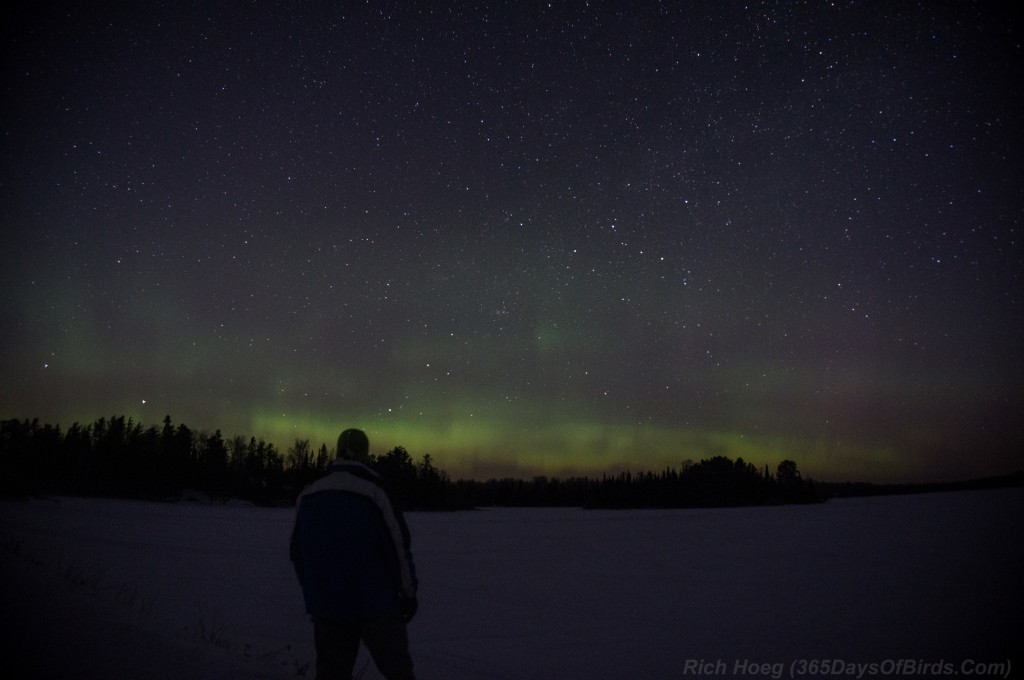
point(525, 238)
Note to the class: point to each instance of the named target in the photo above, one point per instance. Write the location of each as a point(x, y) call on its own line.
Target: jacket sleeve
point(410, 586)
point(400, 537)
point(296, 555)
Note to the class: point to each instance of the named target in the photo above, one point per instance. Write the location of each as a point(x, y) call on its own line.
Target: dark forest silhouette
point(118, 457)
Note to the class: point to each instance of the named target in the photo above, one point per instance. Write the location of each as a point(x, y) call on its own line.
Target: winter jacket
point(350, 547)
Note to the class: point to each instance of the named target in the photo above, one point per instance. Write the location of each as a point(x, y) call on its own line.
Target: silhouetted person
point(350, 548)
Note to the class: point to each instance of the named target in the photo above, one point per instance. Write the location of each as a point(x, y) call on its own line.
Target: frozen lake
point(111, 589)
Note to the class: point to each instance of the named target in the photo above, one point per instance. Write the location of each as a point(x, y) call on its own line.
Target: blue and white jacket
point(350, 547)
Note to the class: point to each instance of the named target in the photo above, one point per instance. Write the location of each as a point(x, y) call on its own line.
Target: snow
point(119, 589)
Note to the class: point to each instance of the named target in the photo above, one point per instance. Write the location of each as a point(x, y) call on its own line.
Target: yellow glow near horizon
point(482, 447)
point(490, 442)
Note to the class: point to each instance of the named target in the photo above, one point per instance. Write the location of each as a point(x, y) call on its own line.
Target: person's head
point(353, 444)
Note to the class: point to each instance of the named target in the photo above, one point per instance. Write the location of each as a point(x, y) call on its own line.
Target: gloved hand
point(408, 606)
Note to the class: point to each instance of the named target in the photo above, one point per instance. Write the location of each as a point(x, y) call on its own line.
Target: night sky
point(525, 238)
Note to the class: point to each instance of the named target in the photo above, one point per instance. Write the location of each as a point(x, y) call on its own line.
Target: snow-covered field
point(118, 589)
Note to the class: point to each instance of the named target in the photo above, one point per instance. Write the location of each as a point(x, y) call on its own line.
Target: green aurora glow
point(599, 240)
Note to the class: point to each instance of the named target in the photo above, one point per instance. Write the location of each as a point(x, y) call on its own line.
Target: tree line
point(119, 457)
point(713, 482)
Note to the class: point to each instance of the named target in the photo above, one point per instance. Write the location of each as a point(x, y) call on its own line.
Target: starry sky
point(524, 237)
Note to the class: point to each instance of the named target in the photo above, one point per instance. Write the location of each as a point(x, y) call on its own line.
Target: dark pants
point(337, 645)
